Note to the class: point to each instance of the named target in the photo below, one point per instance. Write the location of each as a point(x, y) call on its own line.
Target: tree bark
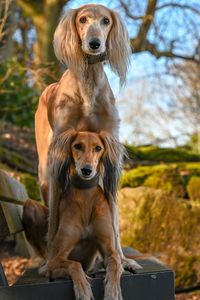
point(44, 16)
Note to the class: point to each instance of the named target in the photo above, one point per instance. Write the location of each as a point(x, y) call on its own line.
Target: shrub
point(154, 222)
point(18, 97)
point(135, 177)
point(156, 154)
point(193, 188)
point(172, 178)
point(168, 179)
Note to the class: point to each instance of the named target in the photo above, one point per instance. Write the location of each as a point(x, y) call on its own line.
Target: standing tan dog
point(85, 223)
point(83, 99)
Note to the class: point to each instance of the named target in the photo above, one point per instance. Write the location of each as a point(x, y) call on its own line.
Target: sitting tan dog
point(85, 227)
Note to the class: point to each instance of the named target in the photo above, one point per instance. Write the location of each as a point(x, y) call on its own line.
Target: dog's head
point(84, 154)
point(87, 149)
point(92, 30)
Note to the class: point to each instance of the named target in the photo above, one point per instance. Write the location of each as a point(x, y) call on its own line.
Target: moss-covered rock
point(173, 178)
point(135, 177)
point(30, 182)
point(16, 160)
point(193, 188)
point(31, 185)
point(154, 222)
point(156, 154)
point(168, 179)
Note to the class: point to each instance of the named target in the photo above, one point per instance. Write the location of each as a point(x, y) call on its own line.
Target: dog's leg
point(110, 184)
point(127, 263)
point(106, 241)
point(112, 280)
point(64, 268)
point(34, 219)
point(59, 265)
point(112, 261)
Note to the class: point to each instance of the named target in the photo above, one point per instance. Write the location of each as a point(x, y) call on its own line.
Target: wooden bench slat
point(11, 213)
point(11, 191)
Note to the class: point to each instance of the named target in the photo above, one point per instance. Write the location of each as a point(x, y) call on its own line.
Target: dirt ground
point(189, 296)
point(15, 266)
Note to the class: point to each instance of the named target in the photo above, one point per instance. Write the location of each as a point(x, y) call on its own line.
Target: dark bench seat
point(153, 282)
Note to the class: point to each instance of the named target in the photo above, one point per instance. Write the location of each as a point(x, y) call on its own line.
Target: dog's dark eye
point(98, 148)
point(106, 21)
point(78, 146)
point(82, 20)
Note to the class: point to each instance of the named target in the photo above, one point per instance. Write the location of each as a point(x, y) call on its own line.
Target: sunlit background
point(159, 189)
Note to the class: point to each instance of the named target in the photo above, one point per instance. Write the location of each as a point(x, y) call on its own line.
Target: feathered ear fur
point(112, 162)
point(59, 158)
point(67, 43)
point(119, 49)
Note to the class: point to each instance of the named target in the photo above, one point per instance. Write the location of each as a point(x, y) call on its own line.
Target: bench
point(154, 282)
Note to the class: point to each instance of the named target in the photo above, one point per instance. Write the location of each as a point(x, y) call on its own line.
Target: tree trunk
point(44, 16)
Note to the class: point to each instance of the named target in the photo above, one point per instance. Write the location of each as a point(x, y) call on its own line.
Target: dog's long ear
point(118, 47)
point(59, 158)
point(112, 162)
point(67, 43)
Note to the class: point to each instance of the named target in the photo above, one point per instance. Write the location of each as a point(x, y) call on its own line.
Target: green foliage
point(194, 141)
point(15, 160)
point(29, 181)
point(173, 178)
point(18, 97)
point(186, 274)
point(135, 177)
point(31, 185)
point(156, 154)
point(154, 222)
point(193, 188)
point(168, 179)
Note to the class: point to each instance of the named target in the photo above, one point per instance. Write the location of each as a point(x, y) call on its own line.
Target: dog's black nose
point(86, 171)
point(94, 44)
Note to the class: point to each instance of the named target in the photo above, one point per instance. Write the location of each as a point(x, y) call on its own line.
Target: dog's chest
point(88, 232)
point(84, 116)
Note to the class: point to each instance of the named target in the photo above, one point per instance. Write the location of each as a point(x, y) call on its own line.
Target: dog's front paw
point(43, 269)
point(130, 265)
point(112, 292)
point(82, 289)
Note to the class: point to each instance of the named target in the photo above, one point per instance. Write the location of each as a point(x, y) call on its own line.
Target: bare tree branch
point(141, 41)
point(181, 6)
point(4, 8)
point(152, 48)
point(146, 23)
point(6, 28)
point(128, 13)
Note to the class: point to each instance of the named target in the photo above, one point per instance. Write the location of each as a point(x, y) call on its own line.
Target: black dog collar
point(84, 184)
point(93, 59)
